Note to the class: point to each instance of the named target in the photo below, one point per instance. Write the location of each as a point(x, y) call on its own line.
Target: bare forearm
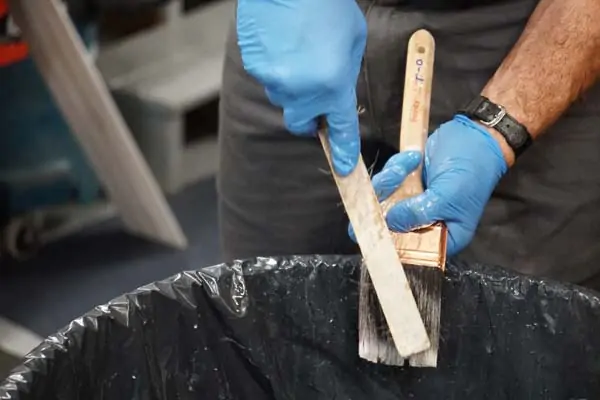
point(556, 58)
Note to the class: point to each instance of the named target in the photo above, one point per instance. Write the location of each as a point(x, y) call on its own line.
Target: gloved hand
point(463, 165)
point(307, 55)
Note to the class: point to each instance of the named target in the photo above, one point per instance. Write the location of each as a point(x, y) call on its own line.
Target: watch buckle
point(501, 114)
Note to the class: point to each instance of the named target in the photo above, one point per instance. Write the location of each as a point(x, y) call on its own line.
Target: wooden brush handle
point(415, 108)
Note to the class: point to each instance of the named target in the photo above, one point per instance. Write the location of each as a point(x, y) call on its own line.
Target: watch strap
point(492, 115)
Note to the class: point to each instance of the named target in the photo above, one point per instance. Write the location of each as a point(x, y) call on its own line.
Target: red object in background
point(10, 51)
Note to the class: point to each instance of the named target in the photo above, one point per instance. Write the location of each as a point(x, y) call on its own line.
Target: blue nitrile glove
point(307, 54)
point(463, 165)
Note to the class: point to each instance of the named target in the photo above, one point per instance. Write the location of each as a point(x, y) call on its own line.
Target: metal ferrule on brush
point(424, 246)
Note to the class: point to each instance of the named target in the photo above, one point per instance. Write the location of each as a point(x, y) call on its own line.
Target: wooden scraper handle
point(380, 256)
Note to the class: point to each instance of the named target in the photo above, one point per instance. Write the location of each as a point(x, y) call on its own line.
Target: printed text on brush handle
point(419, 86)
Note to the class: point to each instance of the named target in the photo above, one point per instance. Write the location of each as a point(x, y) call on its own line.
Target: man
point(290, 61)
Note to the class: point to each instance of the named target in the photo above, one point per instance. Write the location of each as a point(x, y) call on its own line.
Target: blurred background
point(64, 249)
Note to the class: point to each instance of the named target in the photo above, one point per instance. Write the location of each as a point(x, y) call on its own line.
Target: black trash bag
point(286, 328)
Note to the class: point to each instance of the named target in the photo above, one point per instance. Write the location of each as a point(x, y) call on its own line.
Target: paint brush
point(396, 304)
point(422, 251)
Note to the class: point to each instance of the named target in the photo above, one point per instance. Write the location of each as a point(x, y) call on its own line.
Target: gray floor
point(70, 277)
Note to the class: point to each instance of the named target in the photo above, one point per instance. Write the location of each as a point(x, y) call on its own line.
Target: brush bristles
point(375, 342)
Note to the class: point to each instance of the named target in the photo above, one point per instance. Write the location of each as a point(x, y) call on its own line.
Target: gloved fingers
point(405, 216)
point(249, 42)
point(275, 97)
point(344, 136)
point(394, 172)
point(458, 237)
point(414, 212)
point(360, 39)
point(300, 119)
point(302, 128)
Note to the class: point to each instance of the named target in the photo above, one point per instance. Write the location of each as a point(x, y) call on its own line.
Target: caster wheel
point(21, 238)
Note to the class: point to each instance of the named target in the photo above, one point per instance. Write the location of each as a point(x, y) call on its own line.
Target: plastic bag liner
point(286, 328)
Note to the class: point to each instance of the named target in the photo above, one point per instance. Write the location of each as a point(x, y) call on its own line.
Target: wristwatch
point(487, 113)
